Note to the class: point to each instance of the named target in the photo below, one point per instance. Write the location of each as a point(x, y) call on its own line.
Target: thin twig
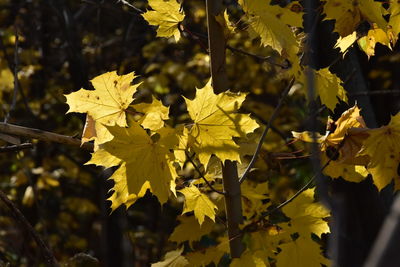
point(131, 6)
point(301, 190)
point(267, 127)
point(42, 135)
point(47, 253)
point(202, 175)
point(15, 73)
point(15, 148)
point(380, 92)
point(257, 57)
point(273, 128)
point(12, 68)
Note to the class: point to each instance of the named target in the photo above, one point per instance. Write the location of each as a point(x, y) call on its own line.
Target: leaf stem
point(202, 175)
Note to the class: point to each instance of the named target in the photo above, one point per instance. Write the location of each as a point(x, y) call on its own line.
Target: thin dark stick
point(380, 92)
point(273, 128)
point(48, 255)
point(256, 57)
point(16, 80)
point(267, 127)
point(202, 175)
point(301, 190)
point(15, 148)
point(15, 73)
point(280, 206)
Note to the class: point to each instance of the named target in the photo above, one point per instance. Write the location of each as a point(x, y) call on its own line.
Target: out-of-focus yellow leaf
point(29, 197)
point(190, 230)
point(303, 252)
point(173, 259)
point(248, 259)
point(207, 256)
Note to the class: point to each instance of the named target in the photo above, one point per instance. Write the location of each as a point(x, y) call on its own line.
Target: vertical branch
point(233, 204)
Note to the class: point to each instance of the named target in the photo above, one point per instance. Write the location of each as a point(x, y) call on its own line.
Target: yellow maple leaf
point(350, 13)
point(145, 160)
point(167, 16)
point(252, 196)
point(173, 259)
point(328, 85)
point(216, 123)
point(375, 35)
point(343, 43)
point(329, 88)
point(154, 114)
point(120, 193)
point(249, 259)
point(106, 105)
point(291, 14)
point(190, 230)
point(341, 147)
point(349, 172)
point(306, 216)
point(351, 118)
point(303, 252)
point(180, 151)
point(199, 203)
point(383, 148)
point(207, 256)
point(394, 20)
point(264, 242)
point(264, 19)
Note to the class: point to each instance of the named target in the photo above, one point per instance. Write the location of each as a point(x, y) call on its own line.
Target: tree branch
point(13, 69)
point(48, 255)
point(202, 175)
point(42, 135)
point(15, 148)
point(267, 127)
point(220, 83)
point(301, 190)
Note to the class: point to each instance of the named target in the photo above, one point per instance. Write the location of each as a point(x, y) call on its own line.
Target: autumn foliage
point(179, 159)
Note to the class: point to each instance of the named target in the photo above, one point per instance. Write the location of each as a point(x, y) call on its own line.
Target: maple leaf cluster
point(148, 152)
point(352, 151)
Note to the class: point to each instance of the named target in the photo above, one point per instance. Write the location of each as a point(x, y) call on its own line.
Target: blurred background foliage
point(56, 46)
